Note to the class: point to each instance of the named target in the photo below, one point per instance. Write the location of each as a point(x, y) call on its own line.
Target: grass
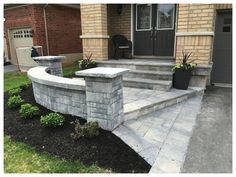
point(70, 70)
point(14, 79)
point(21, 158)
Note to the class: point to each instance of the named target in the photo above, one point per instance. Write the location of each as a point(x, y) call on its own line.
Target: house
point(56, 28)
point(163, 31)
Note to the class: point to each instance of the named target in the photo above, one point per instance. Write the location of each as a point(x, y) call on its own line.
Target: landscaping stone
point(104, 87)
point(53, 63)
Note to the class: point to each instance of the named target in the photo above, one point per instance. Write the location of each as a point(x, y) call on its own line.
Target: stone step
point(162, 58)
point(162, 85)
point(142, 107)
point(148, 65)
point(155, 75)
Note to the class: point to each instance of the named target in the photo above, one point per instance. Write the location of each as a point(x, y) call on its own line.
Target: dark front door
point(154, 29)
point(222, 50)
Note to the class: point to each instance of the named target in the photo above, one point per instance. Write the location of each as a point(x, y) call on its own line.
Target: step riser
point(137, 67)
point(146, 86)
point(158, 106)
point(148, 76)
point(153, 68)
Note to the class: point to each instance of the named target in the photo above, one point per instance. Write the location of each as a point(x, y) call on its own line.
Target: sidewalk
point(210, 148)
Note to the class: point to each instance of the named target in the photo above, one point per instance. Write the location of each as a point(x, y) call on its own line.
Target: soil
point(105, 150)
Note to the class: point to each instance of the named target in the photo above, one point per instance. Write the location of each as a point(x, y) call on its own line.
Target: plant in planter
point(87, 62)
point(183, 72)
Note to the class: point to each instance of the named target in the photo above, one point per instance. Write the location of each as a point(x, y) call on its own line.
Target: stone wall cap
point(39, 74)
point(49, 58)
point(102, 72)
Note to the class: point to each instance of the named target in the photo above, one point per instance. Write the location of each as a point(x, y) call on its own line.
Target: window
point(165, 16)
point(143, 17)
point(227, 25)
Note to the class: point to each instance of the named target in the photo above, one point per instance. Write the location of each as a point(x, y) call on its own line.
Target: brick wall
point(63, 23)
point(223, 6)
point(94, 30)
point(64, 30)
point(198, 19)
point(195, 21)
point(17, 18)
point(118, 24)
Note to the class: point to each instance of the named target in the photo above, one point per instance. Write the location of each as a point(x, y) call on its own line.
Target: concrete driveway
point(10, 68)
point(210, 148)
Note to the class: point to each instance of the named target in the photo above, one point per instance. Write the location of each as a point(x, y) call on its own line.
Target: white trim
point(222, 85)
point(132, 28)
point(157, 28)
point(205, 33)
point(175, 25)
point(15, 7)
point(150, 24)
point(94, 36)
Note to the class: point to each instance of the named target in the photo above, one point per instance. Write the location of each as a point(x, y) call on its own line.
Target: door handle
point(151, 36)
point(155, 35)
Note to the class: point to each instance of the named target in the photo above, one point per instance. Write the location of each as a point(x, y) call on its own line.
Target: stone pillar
point(104, 96)
point(94, 30)
point(53, 62)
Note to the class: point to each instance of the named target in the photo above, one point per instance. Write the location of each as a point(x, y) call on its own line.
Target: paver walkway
point(161, 137)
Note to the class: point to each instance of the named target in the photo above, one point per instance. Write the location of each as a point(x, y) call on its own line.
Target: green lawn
point(14, 79)
point(21, 158)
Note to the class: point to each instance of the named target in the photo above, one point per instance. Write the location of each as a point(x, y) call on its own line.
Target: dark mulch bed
point(105, 150)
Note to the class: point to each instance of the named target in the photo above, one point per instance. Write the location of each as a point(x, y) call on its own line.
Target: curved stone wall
point(58, 94)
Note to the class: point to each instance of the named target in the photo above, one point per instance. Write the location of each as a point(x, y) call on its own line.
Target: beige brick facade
point(94, 30)
point(223, 6)
point(195, 30)
point(118, 24)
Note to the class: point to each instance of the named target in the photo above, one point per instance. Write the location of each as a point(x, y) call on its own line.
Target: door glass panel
point(165, 16)
point(143, 16)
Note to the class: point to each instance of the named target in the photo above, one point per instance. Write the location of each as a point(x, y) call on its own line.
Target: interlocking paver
point(160, 137)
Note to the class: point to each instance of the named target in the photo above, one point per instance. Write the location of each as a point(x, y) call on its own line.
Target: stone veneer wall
point(58, 94)
point(94, 30)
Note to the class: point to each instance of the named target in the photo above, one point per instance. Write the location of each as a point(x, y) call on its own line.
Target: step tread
point(158, 99)
point(147, 81)
point(152, 72)
point(142, 63)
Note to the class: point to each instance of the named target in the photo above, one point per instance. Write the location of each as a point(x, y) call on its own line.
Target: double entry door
point(154, 29)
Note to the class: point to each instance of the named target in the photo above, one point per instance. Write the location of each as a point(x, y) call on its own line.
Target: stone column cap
point(49, 58)
point(102, 72)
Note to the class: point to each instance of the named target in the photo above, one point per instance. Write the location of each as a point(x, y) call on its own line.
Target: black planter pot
point(181, 79)
point(91, 65)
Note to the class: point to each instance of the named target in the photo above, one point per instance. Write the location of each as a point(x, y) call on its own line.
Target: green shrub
point(24, 86)
point(52, 120)
point(88, 130)
point(15, 101)
point(28, 111)
point(14, 92)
